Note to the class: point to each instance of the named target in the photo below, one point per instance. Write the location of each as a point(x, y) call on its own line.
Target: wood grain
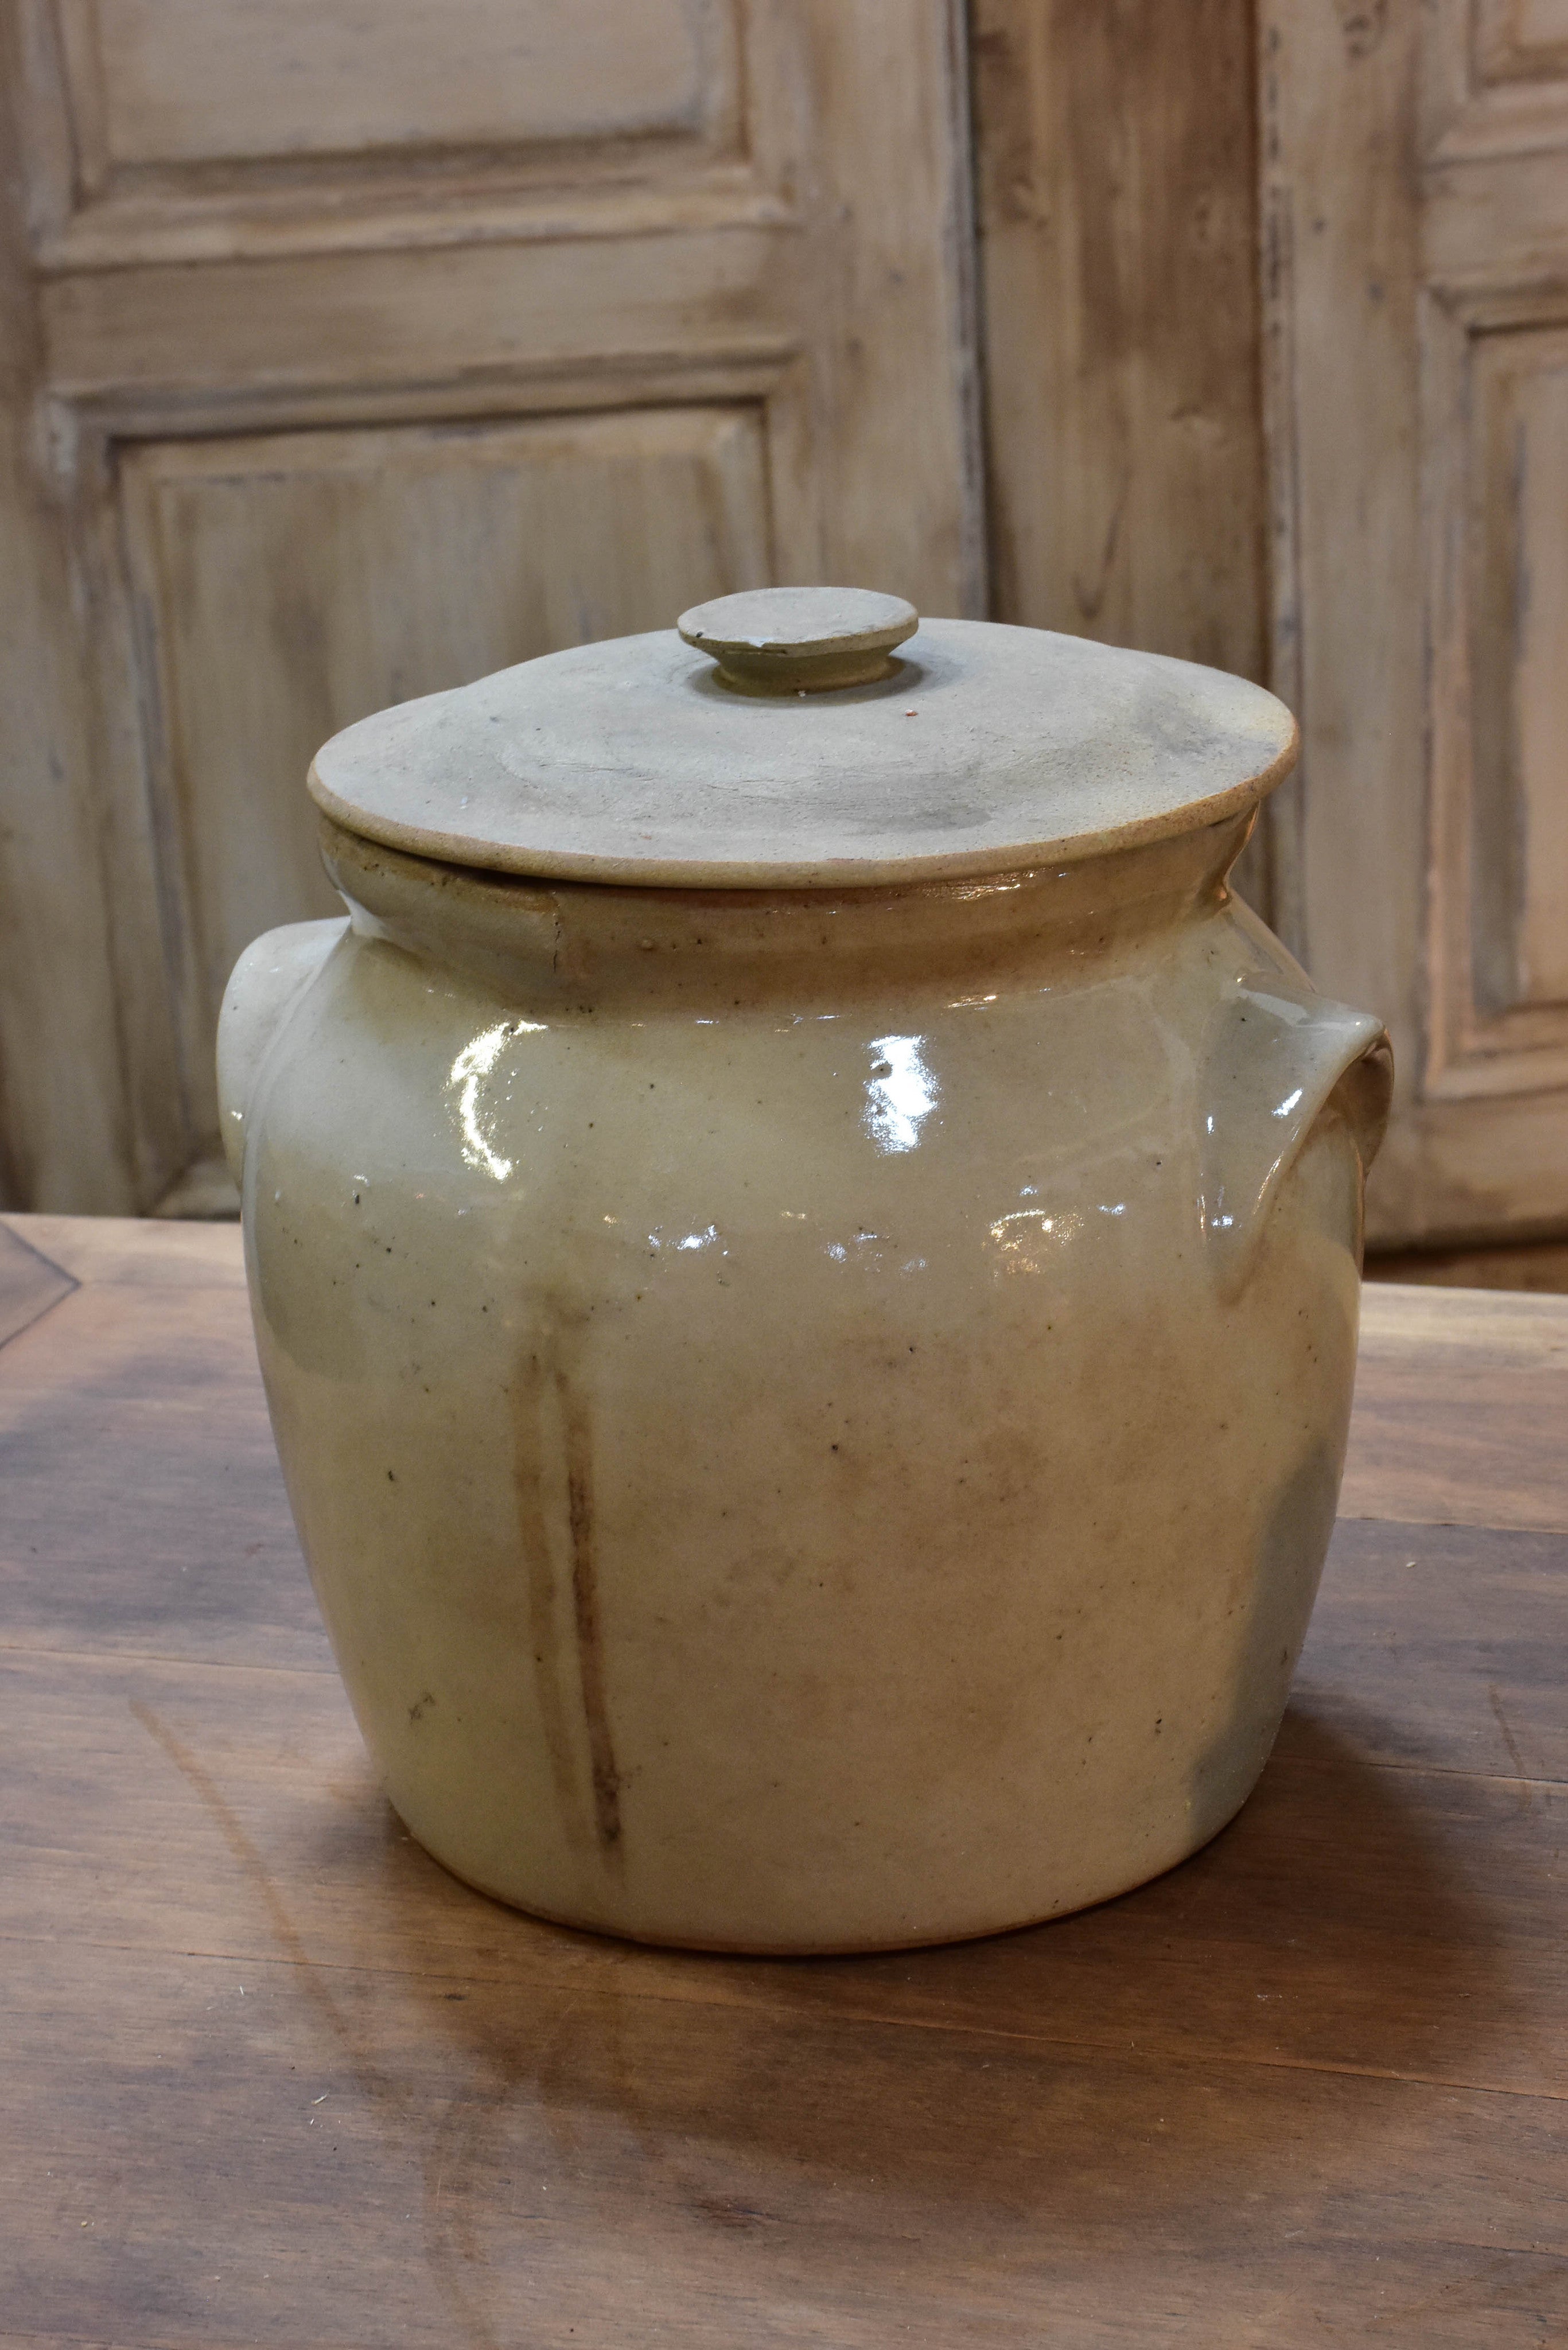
point(1519, 462)
point(29, 1284)
point(116, 1252)
point(595, 2168)
point(177, 82)
point(272, 2077)
point(1117, 211)
point(81, 1142)
point(1414, 314)
point(1119, 244)
point(1528, 1265)
point(1462, 1408)
point(511, 255)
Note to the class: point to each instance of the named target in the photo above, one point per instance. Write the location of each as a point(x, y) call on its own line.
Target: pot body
point(814, 1422)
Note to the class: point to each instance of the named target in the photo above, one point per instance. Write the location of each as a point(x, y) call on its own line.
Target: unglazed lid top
point(802, 737)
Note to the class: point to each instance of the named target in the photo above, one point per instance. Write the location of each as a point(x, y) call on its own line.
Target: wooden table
point(272, 2078)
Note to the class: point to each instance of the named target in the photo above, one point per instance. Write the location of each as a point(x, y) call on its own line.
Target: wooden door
point(1116, 218)
point(1415, 219)
point(345, 354)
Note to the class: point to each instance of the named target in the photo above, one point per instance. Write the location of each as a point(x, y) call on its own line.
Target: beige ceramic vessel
point(805, 1256)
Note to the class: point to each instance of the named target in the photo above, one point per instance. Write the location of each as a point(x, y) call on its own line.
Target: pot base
point(734, 1948)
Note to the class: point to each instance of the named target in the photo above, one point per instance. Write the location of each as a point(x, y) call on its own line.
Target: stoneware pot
point(805, 1255)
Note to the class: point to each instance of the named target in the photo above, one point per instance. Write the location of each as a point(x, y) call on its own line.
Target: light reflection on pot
point(470, 1069)
point(1017, 1237)
point(900, 1092)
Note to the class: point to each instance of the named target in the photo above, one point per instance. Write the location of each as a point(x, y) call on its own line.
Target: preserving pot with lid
point(806, 1254)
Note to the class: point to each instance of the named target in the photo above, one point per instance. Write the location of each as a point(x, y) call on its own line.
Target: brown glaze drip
point(536, 1549)
point(586, 1602)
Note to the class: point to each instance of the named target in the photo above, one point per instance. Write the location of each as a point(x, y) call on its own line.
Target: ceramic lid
point(799, 737)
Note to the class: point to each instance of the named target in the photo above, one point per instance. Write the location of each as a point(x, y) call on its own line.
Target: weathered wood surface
point(1117, 204)
point(1518, 1264)
point(346, 353)
point(1415, 197)
point(1117, 219)
point(271, 2077)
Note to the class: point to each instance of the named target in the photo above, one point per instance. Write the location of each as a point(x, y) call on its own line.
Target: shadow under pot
point(805, 1253)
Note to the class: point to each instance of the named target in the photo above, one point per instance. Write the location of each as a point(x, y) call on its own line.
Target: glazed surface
point(815, 1423)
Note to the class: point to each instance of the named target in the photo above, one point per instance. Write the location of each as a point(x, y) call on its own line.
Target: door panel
point(352, 352)
point(180, 83)
point(291, 583)
point(1519, 410)
point(1417, 196)
point(1521, 40)
point(310, 324)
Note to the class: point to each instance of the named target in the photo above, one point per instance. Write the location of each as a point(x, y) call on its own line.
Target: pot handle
point(264, 986)
point(1272, 1062)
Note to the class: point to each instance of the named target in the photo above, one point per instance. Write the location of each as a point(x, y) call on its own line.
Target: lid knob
point(800, 640)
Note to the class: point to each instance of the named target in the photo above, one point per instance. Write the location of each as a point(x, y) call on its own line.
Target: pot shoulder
point(1075, 1115)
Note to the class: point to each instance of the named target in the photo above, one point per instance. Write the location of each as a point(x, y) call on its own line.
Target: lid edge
point(847, 872)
